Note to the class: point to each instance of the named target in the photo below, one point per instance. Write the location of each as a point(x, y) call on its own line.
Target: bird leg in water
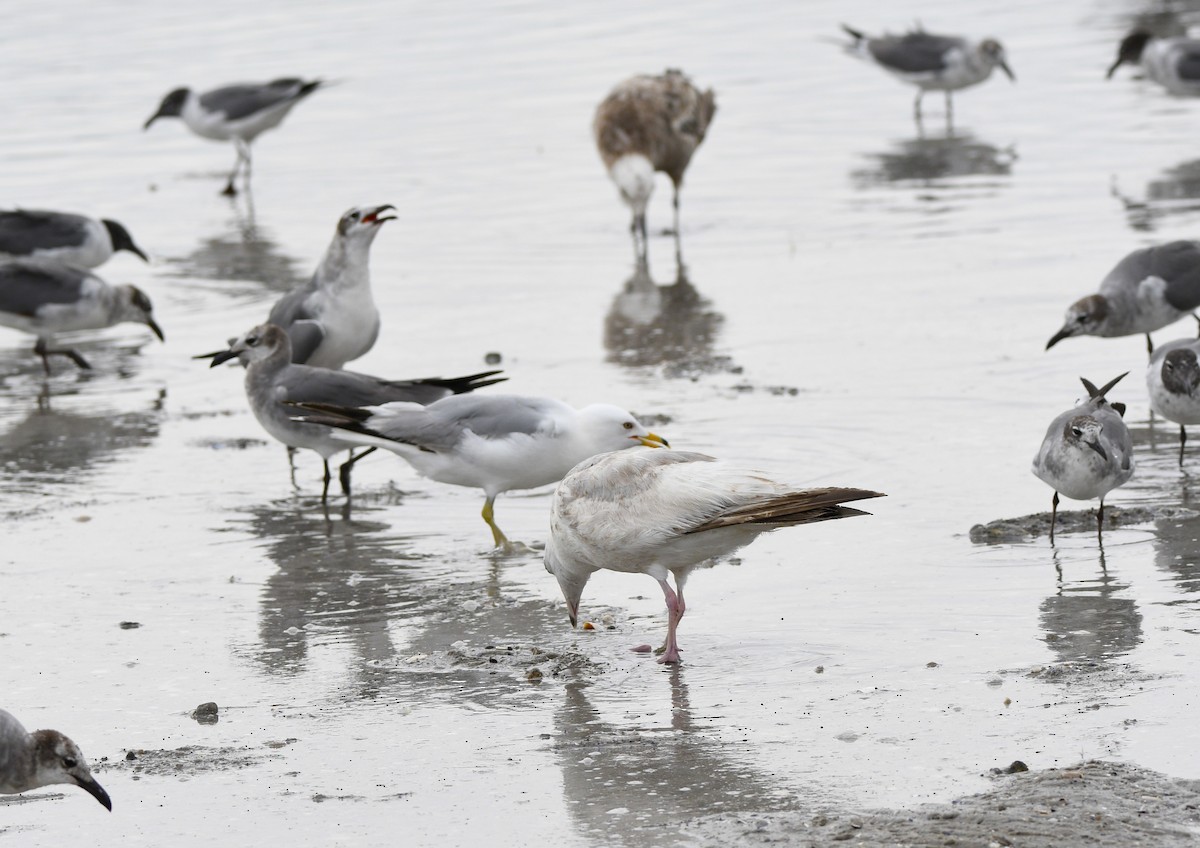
point(675, 611)
point(1100, 523)
point(675, 204)
point(243, 155)
point(325, 489)
point(291, 452)
point(1182, 442)
point(344, 471)
point(1053, 516)
point(917, 106)
point(497, 534)
point(1149, 345)
point(44, 352)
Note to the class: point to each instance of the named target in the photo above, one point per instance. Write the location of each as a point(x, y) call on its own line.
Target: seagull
point(42, 758)
point(62, 237)
point(45, 298)
point(647, 124)
point(931, 62)
point(1147, 290)
point(237, 113)
point(1173, 63)
point(492, 442)
point(1173, 381)
point(654, 512)
point(273, 380)
point(332, 318)
point(1087, 452)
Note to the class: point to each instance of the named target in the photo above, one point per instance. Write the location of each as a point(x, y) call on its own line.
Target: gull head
point(133, 305)
point(571, 581)
point(1086, 317)
point(1181, 372)
point(1083, 432)
point(993, 53)
point(607, 428)
point(171, 106)
point(255, 346)
point(59, 760)
point(362, 223)
point(1130, 50)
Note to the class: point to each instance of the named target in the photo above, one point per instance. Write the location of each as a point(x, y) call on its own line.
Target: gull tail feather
point(462, 385)
point(1098, 394)
point(803, 507)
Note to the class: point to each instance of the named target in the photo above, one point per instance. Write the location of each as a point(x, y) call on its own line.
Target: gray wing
point(1116, 433)
point(349, 388)
point(1178, 263)
point(24, 231)
point(13, 749)
point(243, 100)
point(25, 287)
point(916, 52)
point(1187, 60)
point(497, 416)
point(291, 312)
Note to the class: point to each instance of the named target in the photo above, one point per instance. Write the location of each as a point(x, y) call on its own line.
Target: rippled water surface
point(859, 303)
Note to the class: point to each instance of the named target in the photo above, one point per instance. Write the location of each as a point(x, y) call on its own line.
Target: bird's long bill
point(218, 357)
point(90, 786)
point(573, 612)
point(133, 248)
point(1002, 65)
point(1098, 448)
point(154, 328)
point(373, 217)
point(1120, 61)
point(152, 119)
point(1064, 333)
point(653, 440)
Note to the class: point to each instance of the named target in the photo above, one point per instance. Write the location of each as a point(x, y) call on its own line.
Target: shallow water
point(860, 304)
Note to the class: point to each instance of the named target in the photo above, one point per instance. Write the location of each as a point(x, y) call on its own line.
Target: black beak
point(218, 357)
point(91, 787)
point(1096, 446)
point(151, 120)
point(1058, 337)
point(373, 216)
point(1007, 70)
point(1120, 61)
point(133, 248)
point(154, 328)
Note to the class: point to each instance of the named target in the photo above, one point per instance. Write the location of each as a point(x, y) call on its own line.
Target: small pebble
point(642, 649)
point(492, 358)
point(129, 625)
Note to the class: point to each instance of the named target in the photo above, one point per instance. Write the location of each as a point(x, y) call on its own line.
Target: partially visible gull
point(42, 758)
point(62, 237)
point(1173, 63)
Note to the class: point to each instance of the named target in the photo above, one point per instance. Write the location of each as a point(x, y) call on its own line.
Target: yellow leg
point(497, 534)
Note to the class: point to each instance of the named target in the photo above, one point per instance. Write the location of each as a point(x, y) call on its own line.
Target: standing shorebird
point(647, 124)
point(1173, 63)
point(62, 237)
point(931, 62)
point(1173, 382)
point(1087, 452)
point(237, 113)
point(42, 758)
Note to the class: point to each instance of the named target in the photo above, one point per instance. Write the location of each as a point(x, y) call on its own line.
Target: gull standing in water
point(1173, 381)
point(237, 113)
point(1087, 452)
point(931, 62)
point(648, 124)
point(1147, 290)
point(42, 758)
point(45, 298)
point(665, 512)
point(492, 442)
point(62, 237)
point(273, 380)
point(1173, 63)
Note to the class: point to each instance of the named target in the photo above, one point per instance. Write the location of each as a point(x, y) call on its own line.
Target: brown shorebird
point(647, 124)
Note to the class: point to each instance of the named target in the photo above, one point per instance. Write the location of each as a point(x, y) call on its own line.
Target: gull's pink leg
point(675, 610)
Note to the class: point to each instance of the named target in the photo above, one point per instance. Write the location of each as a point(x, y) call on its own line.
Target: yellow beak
point(652, 440)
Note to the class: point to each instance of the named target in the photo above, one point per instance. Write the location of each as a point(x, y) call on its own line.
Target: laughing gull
point(647, 124)
point(1147, 290)
point(273, 380)
point(931, 62)
point(62, 237)
point(237, 113)
point(1087, 452)
point(1173, 63)
point(667, 511)
point(332, 318)
point(42, 758)
point(45, 298)
point(490, 442)
point(1173, 381)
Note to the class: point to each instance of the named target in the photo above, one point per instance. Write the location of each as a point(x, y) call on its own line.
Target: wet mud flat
point(1095, 803)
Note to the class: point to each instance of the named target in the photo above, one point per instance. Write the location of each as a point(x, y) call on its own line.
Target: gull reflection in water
point(931, 161)
point(1091, 620)
point(1174, 193)
point(671, 326)
point(244, 254)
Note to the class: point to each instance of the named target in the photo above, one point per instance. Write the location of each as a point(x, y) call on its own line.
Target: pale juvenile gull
point(273, 380)
point(42, 758)
point(1147, 290)
point(62, 237)
point(237, 113)
point(667, 511)
point(1087, 452)
point(1173, 381)
point(45, 298)
point(648, 124)
point(931, 62)
point(1173, 63)
point(492, 442)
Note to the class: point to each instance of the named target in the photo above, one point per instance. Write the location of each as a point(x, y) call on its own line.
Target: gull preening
point(492, 442)
point(237, 113)
point(62, 237)
point(273, 381)
point(665, 512)
point(931, 62)
point(648, 124)
point(45, 298)
point(1087, 452)
point(42, 758)
point(1147, 290)
point(1173, 63)
point(1173, 382)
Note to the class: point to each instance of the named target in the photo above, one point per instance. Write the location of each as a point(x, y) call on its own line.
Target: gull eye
point(252, 340)
point(628, 425)
point(1169, 365)
point(353, 216)
point(1075, 431)
point(69, 762)
point(1082, 319)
